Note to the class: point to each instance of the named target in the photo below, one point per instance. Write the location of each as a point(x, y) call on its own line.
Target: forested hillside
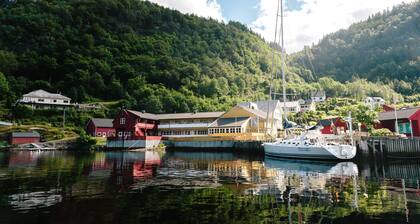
point(146, 56)
point(155, 58)
point(385, 47)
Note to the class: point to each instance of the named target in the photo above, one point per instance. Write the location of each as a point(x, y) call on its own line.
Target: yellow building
point(240, 123)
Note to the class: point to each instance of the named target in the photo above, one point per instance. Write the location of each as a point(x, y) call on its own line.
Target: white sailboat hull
point(327, 152)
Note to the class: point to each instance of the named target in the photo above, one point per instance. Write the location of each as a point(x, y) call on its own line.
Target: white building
point(274, 109)
point(318, 96)
point(45, 100)
point(307, 105)
point(374, 102)
point(291, 106)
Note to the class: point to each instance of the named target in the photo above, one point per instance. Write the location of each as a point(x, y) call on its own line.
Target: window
point(122, 120)
point(40, 100)
point(98, 134)
point(120, 134)
point(55, 101)
point(66, 101)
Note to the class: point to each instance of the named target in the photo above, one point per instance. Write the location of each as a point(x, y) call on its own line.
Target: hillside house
point(374, 102)
point(318, 96)
point(408, 121)
point(307, 105)
point(100, 127)
point(41, 99)
point(291, 106)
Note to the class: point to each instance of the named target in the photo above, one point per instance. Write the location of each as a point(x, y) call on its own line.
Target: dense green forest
point(147, 57)
point(385, 47)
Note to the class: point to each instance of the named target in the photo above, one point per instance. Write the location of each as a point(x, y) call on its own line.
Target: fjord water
point(202, 187)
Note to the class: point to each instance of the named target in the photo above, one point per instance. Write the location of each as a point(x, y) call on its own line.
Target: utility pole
point(64, 117)
point(395, 114)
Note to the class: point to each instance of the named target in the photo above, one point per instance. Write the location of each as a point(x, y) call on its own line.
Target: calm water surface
point(202, 187)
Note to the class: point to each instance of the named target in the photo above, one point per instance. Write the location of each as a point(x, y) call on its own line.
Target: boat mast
point(273, 74)
point(283, 62)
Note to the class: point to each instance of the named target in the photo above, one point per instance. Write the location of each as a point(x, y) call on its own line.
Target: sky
point(305, 21)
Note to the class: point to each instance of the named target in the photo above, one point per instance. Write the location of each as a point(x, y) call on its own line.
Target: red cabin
point(17, 138)
point(408, 121)
point(100, 127)
point(135, 125)
point(329, 125)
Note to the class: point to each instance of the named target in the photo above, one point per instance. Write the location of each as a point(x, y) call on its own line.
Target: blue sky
point(305, 22)
point(247, 11)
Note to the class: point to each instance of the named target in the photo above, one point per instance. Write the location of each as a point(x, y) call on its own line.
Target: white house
point(318, 96)
point(374, 102)
point(291, 106)
point(307, 105)
point(44, 100)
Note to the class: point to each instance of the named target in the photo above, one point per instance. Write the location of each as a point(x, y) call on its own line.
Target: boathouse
point(134, 129)
point(17, 138)
point(186, 124)
point(408, 121)
point(100, 127)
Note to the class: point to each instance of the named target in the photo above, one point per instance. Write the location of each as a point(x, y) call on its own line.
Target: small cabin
point(100, 127)
point(17, 138)
point(333, 125)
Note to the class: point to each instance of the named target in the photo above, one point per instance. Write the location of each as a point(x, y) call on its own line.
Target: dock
point(390, 148)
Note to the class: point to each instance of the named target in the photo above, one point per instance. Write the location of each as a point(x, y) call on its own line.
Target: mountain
point(385, 47)
point(156, 58)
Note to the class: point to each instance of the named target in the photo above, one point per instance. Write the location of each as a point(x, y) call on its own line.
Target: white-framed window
point(122, 120)
point(98, 134)
point(120, 134)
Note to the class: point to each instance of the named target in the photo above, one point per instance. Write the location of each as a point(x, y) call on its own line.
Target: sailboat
point(304, 146)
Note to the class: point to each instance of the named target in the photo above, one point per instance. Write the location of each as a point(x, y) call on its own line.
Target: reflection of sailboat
point(332, 168)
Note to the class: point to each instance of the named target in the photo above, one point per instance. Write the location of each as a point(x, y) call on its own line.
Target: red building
point(100, 127)
point(408, 121)
point(24, 138)
point(333, 125)
point(135, 125)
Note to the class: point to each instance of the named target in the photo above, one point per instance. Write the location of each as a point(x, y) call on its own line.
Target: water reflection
point(203, 187)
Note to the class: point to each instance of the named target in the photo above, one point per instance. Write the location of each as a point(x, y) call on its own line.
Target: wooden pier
point(388, 148)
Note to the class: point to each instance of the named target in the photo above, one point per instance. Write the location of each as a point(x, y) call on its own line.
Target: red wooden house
point(100, 127)
point(333, 125)
point(408, 121)
point(24, 138)
point(135, 125)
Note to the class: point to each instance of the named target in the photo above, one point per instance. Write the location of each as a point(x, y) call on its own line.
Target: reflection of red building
point(134, 125)
point(329, 124)
point(147, 168)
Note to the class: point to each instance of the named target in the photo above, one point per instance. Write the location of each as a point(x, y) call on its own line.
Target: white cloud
point(204, 8)
point(316, 18)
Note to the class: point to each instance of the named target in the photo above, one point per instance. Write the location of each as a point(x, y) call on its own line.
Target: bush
point(85, 141)
point(383, 132)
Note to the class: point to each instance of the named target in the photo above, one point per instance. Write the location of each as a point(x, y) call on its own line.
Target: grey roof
point(189, 115)
point(144, 115)
point(4, 123)
point(44, 94)
point(318, 93)
point(102, 122)
point(257, 112)
point(26, 134)
point(229, 122)
point(403, 113)
point(263, 105)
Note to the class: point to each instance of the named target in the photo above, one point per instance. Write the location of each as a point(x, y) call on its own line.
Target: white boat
point(303, 148)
